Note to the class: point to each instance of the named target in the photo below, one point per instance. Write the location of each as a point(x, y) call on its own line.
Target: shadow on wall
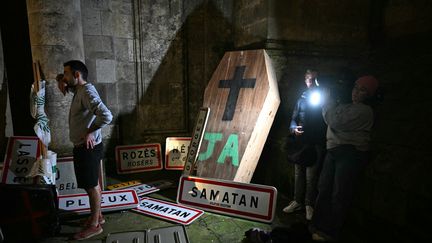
point(170, 101)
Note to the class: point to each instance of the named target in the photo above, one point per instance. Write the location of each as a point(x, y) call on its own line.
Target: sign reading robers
point(138, 158)
point(243, 97)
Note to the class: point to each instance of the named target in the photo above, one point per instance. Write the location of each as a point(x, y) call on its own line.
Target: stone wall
point(151, 62)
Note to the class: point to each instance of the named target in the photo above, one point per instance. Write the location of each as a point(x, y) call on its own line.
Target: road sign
point(176, 150)
point(251, 201)
point(138, 158)
point(66, 182)
point(168, 211)
point(21, 153)
point(111, 201)
point(197, 137)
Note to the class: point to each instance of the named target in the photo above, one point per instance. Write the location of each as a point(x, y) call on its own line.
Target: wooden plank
point(243, 97)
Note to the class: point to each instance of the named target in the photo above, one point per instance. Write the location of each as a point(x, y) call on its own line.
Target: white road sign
point(176, 151)
point(111, 201)
point(138, 158)
point(251, 201)
point(21, 154)
point(168, 211)
point(66, 180)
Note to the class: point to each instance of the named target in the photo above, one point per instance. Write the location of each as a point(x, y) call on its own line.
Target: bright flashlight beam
point(315, 98)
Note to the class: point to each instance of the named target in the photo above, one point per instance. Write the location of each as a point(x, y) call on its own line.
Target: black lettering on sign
point(69, 203)
point(235, 85)
point(123, 198)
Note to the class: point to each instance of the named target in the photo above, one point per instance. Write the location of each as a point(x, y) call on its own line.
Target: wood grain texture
point(254, 113)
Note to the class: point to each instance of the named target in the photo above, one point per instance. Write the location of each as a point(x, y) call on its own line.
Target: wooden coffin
point(243, 98)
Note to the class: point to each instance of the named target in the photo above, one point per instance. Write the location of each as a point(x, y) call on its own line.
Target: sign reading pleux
point(243, 98)
point(138, 158)
point(169, 211)
point(176, 151)
point(21, 154)
point(66, 180)
point(111, 201)
point(251, 201)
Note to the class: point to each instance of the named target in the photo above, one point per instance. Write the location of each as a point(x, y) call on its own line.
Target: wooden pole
point(37, 78)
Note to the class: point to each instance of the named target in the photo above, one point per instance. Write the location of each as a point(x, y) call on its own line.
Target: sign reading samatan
point(168, 211)
point(251, 201)
point(138, 158)
point(111, 201)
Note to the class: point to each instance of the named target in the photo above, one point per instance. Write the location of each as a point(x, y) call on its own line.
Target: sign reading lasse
point(138, 158)
point(22, 152)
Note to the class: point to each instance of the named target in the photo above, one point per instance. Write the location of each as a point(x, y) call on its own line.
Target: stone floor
point(210, 227)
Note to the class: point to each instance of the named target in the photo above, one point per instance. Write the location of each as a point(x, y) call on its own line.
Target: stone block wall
point(151, 61)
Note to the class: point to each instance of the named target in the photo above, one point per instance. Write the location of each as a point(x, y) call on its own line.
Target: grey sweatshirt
point(348, 124)
point(87, 108)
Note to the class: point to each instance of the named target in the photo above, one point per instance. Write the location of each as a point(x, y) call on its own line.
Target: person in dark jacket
point(309, 129)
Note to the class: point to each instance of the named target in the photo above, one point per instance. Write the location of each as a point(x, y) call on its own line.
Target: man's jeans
point(306, 178)
point(341, 170)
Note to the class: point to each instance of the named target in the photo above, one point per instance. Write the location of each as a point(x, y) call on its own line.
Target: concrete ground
point(210, 227)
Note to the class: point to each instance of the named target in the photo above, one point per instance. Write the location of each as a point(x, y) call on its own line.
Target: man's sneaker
point(322, 237)
point(309, 212)
point(318, 237)
point(87, 222)
point(293, 206)
point(88, 232)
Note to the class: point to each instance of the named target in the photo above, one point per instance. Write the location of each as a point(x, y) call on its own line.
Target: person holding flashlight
point(308, 127)
point(348, 135)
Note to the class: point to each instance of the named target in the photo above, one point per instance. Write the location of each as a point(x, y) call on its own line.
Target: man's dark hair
point(77, 66)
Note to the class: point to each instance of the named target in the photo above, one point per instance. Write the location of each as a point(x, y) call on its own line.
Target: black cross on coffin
point(235, 85)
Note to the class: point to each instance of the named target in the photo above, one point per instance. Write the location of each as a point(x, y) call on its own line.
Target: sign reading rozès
point(138, 158)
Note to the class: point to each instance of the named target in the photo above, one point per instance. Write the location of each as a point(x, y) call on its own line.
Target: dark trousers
point(306, 178)
point(341, 170)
